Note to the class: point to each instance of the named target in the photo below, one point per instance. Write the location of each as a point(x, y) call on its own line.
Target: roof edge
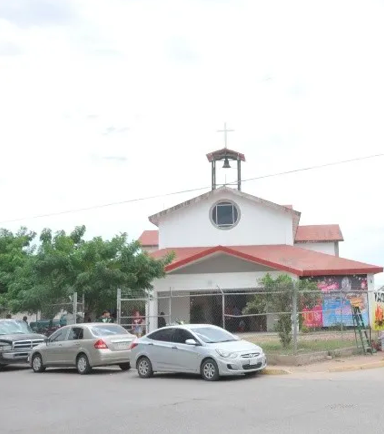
point(154, 219)
point(234, 253)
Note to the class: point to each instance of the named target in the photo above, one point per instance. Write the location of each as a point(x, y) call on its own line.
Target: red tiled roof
point(318, 233)
point(305, 233)
point(149, 238)
point(299, 261)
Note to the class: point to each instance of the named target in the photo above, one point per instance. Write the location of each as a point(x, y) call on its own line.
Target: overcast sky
point(108, 100)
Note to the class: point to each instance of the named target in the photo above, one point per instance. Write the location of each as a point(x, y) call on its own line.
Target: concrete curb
point(274, 371)
point(364, 366)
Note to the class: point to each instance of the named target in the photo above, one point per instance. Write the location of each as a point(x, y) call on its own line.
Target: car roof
point(10, 319)
point(91, 324)
point(191, 326)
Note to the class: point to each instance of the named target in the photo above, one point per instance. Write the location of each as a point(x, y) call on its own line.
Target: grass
point(307, 346)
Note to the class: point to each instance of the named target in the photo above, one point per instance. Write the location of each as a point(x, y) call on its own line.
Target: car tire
point(210, 370)
point(82, 364)
point(144, 368)
point(37, 363)
point(125, 366)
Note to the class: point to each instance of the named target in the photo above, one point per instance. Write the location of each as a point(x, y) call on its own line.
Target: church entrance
point(209, 310)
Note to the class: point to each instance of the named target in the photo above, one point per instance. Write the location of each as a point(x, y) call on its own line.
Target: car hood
point(236, 346)
point(21, 337)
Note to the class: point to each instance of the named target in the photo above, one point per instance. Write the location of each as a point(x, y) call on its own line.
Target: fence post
point(294, 317)
point(118, 306)
point(74, 307)
point(170, 307)
point(222, 306)
point(341, 315)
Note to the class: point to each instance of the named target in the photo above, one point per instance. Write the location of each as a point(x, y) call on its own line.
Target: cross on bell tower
point(226, 155)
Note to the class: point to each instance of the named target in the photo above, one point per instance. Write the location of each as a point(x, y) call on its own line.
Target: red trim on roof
point(319, 233)
point(299, 261)
point(149, 238)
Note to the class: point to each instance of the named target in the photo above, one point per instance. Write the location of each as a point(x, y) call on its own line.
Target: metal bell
point(226, 164)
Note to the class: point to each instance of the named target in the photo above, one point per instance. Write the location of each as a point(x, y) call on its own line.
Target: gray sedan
point(84, 346)
point(196, 348)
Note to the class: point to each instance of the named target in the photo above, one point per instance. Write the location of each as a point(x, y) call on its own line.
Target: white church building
point(228, 240)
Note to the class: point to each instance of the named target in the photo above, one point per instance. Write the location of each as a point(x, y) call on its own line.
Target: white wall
point(324, 247)
point(228, 280)
point(258, 225)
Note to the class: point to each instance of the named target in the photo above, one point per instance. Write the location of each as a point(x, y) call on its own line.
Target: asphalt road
point(112, 401)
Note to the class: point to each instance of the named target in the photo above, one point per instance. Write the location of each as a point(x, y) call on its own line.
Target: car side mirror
point(191, 342)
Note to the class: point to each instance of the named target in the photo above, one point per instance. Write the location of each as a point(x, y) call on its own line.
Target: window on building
point(225, 214)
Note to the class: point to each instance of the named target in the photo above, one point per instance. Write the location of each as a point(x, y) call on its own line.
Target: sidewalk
point(334, 365)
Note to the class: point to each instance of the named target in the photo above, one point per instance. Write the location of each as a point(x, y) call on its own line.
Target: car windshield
point(108, 330)
point(13, 327)
point(212, 335)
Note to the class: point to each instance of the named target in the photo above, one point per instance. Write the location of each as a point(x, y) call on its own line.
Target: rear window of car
point(108, 330)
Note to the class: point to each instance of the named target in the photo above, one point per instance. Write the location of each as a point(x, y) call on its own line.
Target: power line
point(147, 198)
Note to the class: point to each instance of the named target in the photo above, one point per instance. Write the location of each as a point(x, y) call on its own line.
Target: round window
point(225, 214)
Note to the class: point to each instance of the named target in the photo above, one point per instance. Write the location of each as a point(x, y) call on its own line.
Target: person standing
point(106, 317)
point(161, 321)
point(138, 322)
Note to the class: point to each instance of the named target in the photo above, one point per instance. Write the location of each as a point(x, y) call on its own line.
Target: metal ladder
point(359, 326)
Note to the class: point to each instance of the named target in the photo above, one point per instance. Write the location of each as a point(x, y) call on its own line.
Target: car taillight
point(100, 345)
point(133, 345)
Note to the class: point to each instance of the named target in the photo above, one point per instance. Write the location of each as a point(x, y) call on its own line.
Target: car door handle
point(59, 345)
point(174, 347)
point(150, 343)
point(77, 344)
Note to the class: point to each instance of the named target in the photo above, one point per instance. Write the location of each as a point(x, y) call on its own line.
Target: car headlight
point(226, 354)
point(5, 347)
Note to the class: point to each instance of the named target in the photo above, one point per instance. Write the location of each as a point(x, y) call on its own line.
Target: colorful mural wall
point(377, 315)
point(334, 308)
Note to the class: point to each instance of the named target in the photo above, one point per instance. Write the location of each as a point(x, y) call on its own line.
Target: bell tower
point(226, 155)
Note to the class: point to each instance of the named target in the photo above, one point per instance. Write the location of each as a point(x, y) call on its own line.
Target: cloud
point(174, 72)
point(179, 50)
point(113, 130)
point(8, 48)
point(28, 13)
point(115, 158)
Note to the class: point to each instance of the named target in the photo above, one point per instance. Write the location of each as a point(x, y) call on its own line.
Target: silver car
point(196, 348)
point(84, 346)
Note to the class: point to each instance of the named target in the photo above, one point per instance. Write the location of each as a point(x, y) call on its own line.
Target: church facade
point(227, 239)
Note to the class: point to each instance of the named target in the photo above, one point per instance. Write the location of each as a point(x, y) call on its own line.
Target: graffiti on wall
point(334, 308)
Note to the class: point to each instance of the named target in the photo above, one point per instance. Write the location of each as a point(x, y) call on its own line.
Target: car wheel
point(82, 364)
point(144, 368)
point(125, 366)
point(210, 370)
point(37, 364)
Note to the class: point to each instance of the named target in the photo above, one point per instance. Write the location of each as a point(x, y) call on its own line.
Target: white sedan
point(202, 349)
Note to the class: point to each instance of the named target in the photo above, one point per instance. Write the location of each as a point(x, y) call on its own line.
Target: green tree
point(277, 297)
point(65, 263)
point(15, 249)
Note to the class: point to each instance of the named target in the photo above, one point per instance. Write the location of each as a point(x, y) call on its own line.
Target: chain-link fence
point(286, 321)
point(58, 315)
point(133, 310)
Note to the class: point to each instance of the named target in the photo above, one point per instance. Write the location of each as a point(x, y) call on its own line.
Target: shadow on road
point(9, 368)
point(195, 377)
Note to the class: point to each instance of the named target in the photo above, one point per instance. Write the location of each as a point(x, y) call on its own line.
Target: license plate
point(122, 346)
point(253, 361)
